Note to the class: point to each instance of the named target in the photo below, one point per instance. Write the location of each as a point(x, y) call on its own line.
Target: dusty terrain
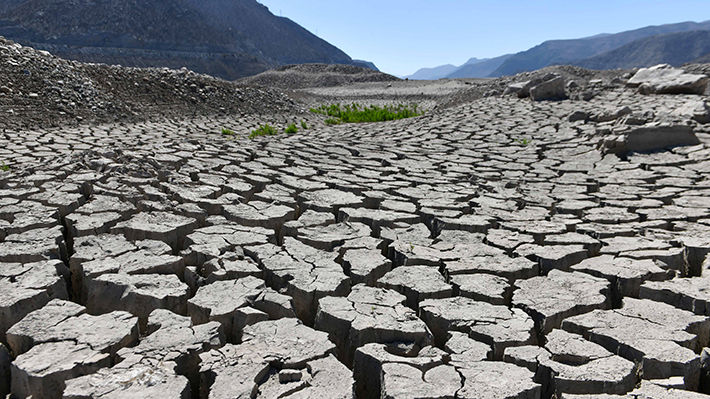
point(495, 247)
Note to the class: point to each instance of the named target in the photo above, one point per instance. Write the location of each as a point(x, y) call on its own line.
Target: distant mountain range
point(673, 44)
point(224, 38)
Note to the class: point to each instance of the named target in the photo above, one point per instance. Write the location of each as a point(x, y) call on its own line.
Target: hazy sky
point(401, 36)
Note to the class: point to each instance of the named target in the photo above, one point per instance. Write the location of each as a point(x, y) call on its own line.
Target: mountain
point(701, 60)
point(365, 64)
point(480, 69)
point(225, 38)
point(670, 48)
point(433, 73)
point(566, 51)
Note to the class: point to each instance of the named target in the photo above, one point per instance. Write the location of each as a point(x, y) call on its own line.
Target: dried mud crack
point(498, 248)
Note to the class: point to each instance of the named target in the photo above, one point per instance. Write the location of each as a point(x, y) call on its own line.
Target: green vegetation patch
point(291, 128)
point(264, 130)
point(4, 167)
point(356, 113)
point(227, 132)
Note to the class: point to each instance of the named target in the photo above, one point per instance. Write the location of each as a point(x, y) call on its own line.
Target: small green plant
point(356, 113)
point(4, 167)
point(264, 130)
point(290, 129)
point(523, 141)
point(304, 125)
point(227, 132)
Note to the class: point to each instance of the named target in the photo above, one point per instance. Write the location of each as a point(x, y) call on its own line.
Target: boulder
point(551, 90)
point(664, 79)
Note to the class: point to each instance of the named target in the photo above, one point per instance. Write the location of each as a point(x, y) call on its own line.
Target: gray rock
point(333, 235)
point(610, 114)
point(550, 90)
point(503, 266)
point(80, 225)
point(376, 219)
point(309, 218)
point(625, 274)
point(559, 295)
point(303, 273)
point(103, 203)
point(416, 283)
point(135, 381)
point(570, 364)
point(496, 326)
point(175, 341)
point(646, 390)
point(401, 381)
point(498, 380)
point(483, 287)
point(465, 350)
point(259, 214)
point(5, 360)
point(365, 266)
point(697, 110)
point(329, 200)
point(663, 339)
point(650, 137)
point(220, 300)
point(267, 348)
point(42, 372)
point(684, 293)
point(369, 315)
point(139, 294)
point(371, 359)
point(664, 79)
point(160, 226)
point(557, 257)
point(27, 287)
point(65, 321)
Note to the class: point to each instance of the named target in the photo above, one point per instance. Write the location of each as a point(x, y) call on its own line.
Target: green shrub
point(304, 125)
point(227, 132)
point(291, 128)
point(356, 113)
point(523, 141)
point(264, 130)
point(4, 167)
point(333, 121)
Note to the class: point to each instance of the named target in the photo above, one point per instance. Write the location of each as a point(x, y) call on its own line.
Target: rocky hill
point(480, 69)
point(567, 51)
point(225, 38)
point(672, 48)
point(38, 89)
point(315, 75)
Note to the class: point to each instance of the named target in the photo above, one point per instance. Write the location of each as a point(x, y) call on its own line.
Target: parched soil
point(494, 247)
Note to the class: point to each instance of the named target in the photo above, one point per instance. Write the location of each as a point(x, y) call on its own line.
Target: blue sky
point(402, 36)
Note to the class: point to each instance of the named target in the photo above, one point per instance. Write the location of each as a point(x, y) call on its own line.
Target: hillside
point(433, 73)
point(315, 75)
point(479, 70)
point(567, 51)
point(672, 48)
point(224, 38)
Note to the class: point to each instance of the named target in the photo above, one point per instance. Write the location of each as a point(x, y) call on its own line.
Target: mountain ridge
point(224, 38)
point(675, 49)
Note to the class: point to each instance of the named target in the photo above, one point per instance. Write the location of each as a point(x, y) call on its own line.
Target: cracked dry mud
point(501, 248)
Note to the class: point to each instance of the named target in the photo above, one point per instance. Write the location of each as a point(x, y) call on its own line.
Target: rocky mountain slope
point(566, 51)
point(672, 48)
point(479, 70)
point(315, 75)
point(224, 38)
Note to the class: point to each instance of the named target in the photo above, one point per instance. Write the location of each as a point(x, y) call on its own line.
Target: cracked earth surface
point(495, 249)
